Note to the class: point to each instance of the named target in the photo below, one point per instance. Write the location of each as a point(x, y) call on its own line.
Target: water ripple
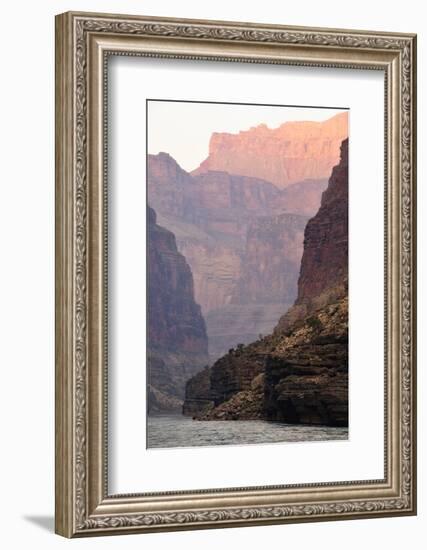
point(181, 431)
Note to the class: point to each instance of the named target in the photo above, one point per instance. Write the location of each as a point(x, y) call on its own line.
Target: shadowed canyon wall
point(177, 340)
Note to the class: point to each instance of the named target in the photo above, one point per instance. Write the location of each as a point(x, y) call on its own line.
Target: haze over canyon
point(228, 259)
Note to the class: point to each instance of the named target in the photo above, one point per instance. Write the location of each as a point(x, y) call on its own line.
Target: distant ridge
point(293, 152)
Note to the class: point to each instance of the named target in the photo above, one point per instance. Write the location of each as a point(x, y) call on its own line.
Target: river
point(183, 431)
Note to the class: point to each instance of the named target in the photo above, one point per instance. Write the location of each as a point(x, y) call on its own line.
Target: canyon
point(299, 372)
point(242, 238)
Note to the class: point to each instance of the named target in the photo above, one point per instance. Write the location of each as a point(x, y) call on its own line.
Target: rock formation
point(177, 341)
point(306, 375)
point(211, 215)
point(303, 365)
point(226, 387)
point(324, 265)
point(293, 152)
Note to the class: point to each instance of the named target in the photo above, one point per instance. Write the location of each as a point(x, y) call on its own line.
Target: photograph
point(247, 273)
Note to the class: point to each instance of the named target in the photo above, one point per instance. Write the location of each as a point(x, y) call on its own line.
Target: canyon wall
point(271, 260)
point(324, 265)
point(176, 337)
point(301, 198)
point(293, 152)
point(299, 373)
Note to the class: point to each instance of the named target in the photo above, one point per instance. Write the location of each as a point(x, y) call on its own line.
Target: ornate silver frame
point(83, 505)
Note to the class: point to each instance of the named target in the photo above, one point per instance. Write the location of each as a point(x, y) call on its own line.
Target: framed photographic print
point(235, 274)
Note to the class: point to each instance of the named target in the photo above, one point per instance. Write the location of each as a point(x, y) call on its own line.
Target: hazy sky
point(183, 129)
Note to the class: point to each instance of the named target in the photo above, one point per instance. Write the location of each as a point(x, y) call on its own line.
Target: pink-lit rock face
point(293, 152)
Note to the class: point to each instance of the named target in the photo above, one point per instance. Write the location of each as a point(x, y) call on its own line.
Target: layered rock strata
point(293, 152)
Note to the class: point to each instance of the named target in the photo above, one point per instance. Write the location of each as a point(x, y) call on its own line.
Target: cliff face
point(324, 265)
point(302, 197)
point(271, 260)
point(304, 363)
point(216, 270)
point(177, 341)
point(293, 152)
point(306, 375)
point(325, 260)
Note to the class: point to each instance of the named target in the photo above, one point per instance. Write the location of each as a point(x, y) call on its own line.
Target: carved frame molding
point(83, 41)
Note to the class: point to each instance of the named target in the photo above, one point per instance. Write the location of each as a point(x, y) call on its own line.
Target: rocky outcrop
point(307, 372)
point(293, 152)
point(303, 365)
point(177, 340)
point(306, 376)
point(245, 404)
point(231, 375)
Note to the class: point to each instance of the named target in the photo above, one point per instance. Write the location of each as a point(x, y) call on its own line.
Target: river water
point(183, 431)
